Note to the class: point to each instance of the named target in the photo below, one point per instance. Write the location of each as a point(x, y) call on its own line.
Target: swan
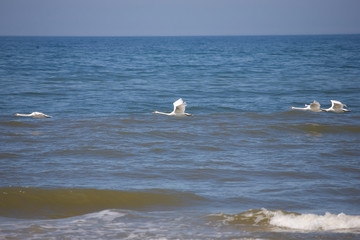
point(337, 107)
point(313, 107)
point(33, 115)
point(179, 109)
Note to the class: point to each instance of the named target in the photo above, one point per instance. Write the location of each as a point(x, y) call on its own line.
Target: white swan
point(179, 109)
point(337, 107)
point(33, 115)
point(313, 107)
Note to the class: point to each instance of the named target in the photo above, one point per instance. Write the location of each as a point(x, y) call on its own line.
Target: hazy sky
point(178, 17)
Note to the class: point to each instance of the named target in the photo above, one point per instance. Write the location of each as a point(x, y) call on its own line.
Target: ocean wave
point(326, 128)
point(279, 220)
point(128, 224)
point(15, 123)
point(22, 202)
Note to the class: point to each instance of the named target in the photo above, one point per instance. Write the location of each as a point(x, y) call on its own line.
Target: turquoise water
point(244, 166)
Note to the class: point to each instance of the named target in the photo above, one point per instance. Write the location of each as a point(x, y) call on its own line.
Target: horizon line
point(205, 35)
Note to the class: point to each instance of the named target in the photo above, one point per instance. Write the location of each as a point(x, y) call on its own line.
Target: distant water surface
point(244, 166)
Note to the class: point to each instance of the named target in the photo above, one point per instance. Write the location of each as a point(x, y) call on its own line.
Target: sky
point(178, 17)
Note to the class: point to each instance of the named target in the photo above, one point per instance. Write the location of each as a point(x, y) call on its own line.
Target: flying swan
point(313, 107)
point(33, 115)
point(337, 107)
point(179, 109)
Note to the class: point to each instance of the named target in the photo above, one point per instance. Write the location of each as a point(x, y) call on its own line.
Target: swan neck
point(298, 108)
point(21, 115)
point(162, 113)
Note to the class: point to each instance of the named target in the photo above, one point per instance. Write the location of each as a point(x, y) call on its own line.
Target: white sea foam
point(313, 222)
point(106, 215)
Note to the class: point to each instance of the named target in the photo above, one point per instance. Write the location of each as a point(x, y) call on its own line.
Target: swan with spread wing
point(179, 109)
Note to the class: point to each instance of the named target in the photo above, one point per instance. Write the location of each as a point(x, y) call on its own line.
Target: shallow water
point(244, 166)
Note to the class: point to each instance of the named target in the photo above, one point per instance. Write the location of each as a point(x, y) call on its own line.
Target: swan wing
point(39, 115)
point(178, 102)
point(336, 105)
point(180, 109)
point(315, 105)
point(179, 106)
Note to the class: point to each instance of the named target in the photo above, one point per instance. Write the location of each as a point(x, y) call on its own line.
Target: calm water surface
point(244, 166)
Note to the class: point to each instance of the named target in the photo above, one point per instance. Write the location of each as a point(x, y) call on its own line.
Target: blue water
point(243, 166)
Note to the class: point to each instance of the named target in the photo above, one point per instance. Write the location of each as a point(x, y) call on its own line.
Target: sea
point(243, 166)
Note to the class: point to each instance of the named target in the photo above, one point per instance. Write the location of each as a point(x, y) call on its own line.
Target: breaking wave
point(278, 220)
